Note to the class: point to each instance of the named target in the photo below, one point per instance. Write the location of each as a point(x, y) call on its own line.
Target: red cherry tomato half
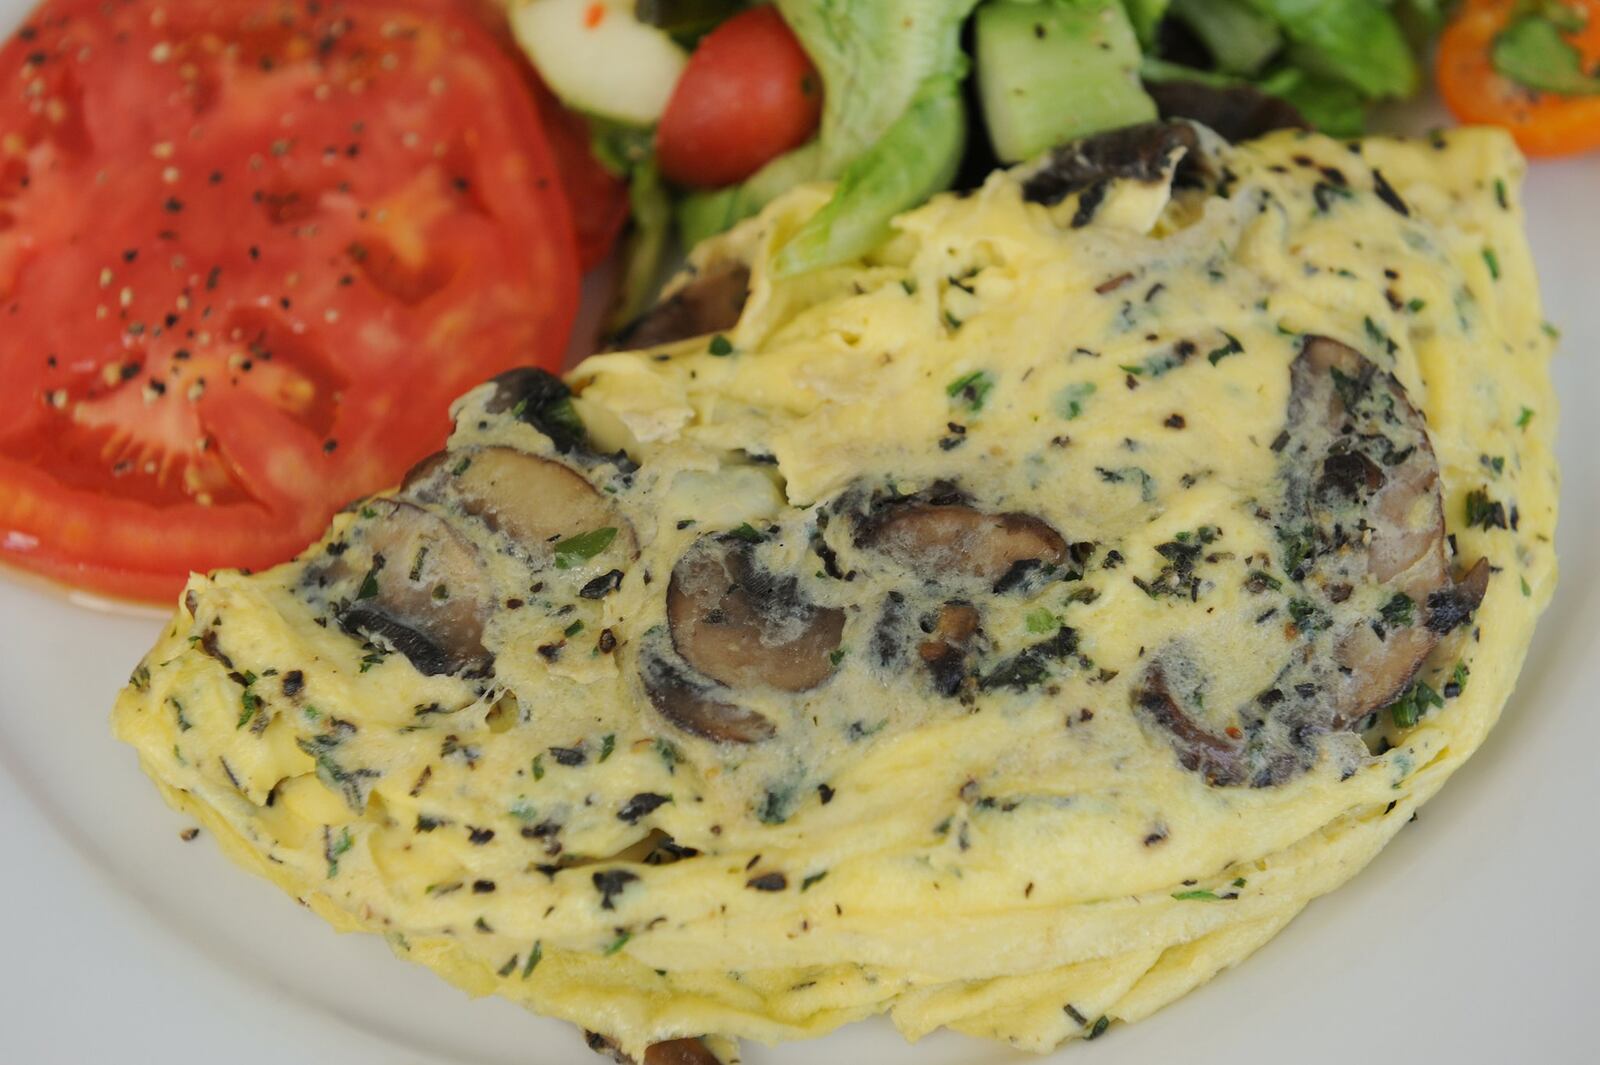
point(748, 94)
point(249, 252)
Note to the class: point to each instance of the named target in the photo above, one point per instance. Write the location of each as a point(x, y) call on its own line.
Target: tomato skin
point(244, 284)
point(748, 95)
point(597, 197)
point(1542, 123)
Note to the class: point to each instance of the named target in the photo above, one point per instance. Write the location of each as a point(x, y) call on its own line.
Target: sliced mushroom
point(693, 707)
point(743, 626)
point(544, 401)
point(425, 591)
point(1139, 153)
point(947, 651)
point(670, 1052)
point(938, 539)
point(535, 501)
point(1361, 511)
point(1236, 112)
point(711, 303)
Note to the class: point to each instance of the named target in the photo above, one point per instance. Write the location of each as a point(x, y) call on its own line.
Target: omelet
point(1006, 632)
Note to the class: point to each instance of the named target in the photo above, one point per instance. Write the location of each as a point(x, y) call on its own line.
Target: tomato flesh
point(249, 252)
point(748, 94)
point(1542, 123)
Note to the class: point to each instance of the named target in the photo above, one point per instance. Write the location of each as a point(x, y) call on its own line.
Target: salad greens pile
point(903, 81)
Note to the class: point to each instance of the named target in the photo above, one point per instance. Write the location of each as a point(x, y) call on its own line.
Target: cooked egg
point(1006, 632)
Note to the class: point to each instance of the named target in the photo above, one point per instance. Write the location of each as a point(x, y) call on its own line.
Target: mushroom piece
point(710, 303)
point(692, 707)
point(670, 1052)
point(1363, 530)
point(544, 401)
point(1235, 112)
point(946, 651)
point(534, 501)
point(425, 591)
point(743, 626)
point(1139, 153)
point(937, 539)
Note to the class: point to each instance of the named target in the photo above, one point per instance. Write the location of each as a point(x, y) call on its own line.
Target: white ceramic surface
point(1472, 938)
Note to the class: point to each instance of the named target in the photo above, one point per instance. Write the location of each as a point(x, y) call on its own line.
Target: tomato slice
point(1543, 123)
point(748, 94)
point(249, 252)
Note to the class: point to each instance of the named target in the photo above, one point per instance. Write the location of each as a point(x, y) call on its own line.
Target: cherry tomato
point(748, 94)
point(1543, 123)
point(249, 252)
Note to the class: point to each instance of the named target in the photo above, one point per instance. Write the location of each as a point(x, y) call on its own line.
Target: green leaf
point(583, 546)
point(915, 157)
point(1356, 42)
point(1533, 53)
point(1200, 895)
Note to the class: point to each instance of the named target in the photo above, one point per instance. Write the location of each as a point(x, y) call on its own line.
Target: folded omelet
point(1005, 632)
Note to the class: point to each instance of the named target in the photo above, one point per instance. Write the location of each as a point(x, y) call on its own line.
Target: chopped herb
point(1239, 882)
point(618, 943)
point(1260, 581)
point(1307, 618)
point(1526, 590)
point(1099, 1029)
point(1070, 400)
point(461, 467)
point(720, 346)
point(335, 847)
point(369, 583)
point(1415, 305)
point(1042, 621)
point(608, 743)
point(1492, 261)
point(534, 957)
point(250, 703)
point(573, 629)
point(1232, 347)
point(1500, 194)
point(372, 658)
point(1398, 610)
point(538, 767)
point(668, 754)
point(748, 533)
point(1483, 512)
point(1413, 702)
point(1549, 329)
point(837, 655)
point(1525, 417)
point(583, 546)
point(1196, 896)
point(971, 389)
point(814, 878)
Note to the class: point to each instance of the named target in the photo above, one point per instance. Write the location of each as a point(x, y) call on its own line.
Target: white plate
point(1472, 938)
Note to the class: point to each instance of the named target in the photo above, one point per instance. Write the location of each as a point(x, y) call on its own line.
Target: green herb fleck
point(837, 655)
point(972, 389)
point(334, 848)
point(608, 743)
point(814, 878)
point(534, 957)
point(1200, 895)
point(538, 767)
point(1413, 702)
point(1232, 347)
point(1099, 1029)
point(461, 467)
point(1525, 417)
point(618, 943)
point(720, 346)
point(1500, 196)
point(1527, 591)
point(1415, 305)
point(583, 546)
point(748, 533)
point(1492, 261)
point(1398, 610)
point(1042, 621)
point(1070, 401)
